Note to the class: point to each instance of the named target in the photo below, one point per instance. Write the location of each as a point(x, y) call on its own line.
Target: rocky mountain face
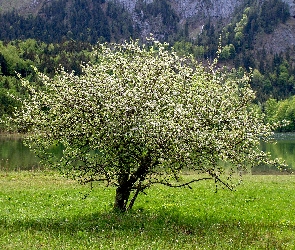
point(184, 8)
point(282, 39)
point(197, 13)
point(198, 10)
point(291, 3)
point(194, 11)
point(204, 8)
point(192, 8)
point(164, 18)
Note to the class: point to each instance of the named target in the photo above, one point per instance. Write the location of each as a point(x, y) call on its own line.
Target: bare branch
point(184, 184)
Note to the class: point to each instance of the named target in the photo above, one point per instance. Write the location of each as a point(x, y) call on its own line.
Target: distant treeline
point(278, 111)
point(18, 57)
point(88, 21)
point(64, 20)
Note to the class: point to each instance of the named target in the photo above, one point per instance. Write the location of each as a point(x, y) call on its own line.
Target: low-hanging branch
point(187, 184)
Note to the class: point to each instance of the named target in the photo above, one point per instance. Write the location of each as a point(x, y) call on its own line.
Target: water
point(15, 156)
point(283, 148)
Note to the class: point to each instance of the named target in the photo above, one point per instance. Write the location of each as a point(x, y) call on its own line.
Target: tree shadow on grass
point(166, 224)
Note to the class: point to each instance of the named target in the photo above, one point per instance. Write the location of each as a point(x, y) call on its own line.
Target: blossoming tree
point(141, 115)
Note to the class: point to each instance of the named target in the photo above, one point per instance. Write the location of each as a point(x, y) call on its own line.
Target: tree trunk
point(126, 183)
point(121, 199)
point(122, 193)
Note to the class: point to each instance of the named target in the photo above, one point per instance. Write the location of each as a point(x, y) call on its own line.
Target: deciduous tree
point(141, 115)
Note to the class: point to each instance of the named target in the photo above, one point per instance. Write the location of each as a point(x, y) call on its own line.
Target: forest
point(64, 32)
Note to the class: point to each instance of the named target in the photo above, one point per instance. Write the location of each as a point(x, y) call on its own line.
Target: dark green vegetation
point(88, 20)
point(244, 44)
point(42, 210)
point(277, 111)
point(18, 57)
point(62, 32)
point(63, 20)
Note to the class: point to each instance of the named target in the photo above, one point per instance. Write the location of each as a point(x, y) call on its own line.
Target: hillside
point(278, 41)
point(166, 19)
point(184, 8)
point(163, 18)
point(22, 6)
point(255, 34)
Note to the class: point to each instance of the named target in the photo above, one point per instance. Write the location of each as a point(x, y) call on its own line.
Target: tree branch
point(184, 184)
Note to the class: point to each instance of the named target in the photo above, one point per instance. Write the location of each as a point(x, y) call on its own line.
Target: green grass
point(40, 210)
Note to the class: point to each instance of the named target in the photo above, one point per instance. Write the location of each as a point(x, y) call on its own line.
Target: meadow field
point(41, 210)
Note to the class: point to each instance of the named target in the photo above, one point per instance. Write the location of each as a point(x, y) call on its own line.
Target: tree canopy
point(142, 115)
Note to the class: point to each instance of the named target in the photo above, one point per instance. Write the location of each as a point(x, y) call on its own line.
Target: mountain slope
point(160, 17)
point(257, 34)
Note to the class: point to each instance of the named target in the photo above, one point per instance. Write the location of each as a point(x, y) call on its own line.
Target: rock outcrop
point(291, 4)
point(191, 8)
point(207, 8)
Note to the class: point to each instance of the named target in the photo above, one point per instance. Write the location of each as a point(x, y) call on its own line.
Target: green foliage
point(278, 111)
point(238, 50)
point(257, 18)
point(240, 28)
point(187, 48)
point(18, 57)
point(228, 52)
point(139, 115)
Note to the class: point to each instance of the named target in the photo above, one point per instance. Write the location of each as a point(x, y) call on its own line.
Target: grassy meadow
point(41, 210)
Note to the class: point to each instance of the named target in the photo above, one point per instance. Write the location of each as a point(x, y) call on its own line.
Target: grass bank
point(40, 210)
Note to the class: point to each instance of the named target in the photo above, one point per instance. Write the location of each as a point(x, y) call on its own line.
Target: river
point(15, 156)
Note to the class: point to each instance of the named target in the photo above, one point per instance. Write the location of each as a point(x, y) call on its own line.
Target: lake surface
point(15, 156)
point(283, 148)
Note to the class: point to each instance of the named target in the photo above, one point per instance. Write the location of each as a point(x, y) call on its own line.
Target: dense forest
point(64, 20)
point(63, 33)
point(17, 58)
point(273, 74)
